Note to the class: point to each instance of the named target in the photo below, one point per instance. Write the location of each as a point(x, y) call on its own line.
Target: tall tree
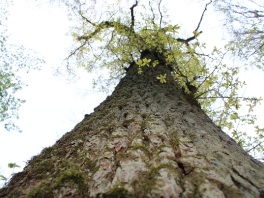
point(113, 37)
point(150, 138)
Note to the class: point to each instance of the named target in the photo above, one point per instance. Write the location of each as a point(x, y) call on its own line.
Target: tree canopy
point(13, 59)
point(112, 34)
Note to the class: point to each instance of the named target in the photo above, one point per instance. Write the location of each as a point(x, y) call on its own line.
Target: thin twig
point(87, 20)
point(202, 16)
point(77, 49)
point(153, 19)
point(255, 146)
point(218, 97)
point(160, 13)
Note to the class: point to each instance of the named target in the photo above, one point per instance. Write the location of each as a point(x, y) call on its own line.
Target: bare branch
point(202, 16)
point(186, 41)
point(196, 33)
point(132, 14)
point(160, 13)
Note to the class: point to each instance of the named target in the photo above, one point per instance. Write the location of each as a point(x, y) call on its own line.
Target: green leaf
point(155, 63)
point(162, 78)
point(140, 63)
point(234, 116)
point(2, 177)
point(13, 165)
point(146, 62)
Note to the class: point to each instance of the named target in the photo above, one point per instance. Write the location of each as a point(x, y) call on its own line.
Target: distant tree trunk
point(146, 140)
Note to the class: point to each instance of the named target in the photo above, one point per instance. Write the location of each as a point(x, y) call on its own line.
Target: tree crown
point(120, 33)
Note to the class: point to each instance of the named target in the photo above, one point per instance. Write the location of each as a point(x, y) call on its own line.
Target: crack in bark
point(244, 178)
point(184, 171)
point(181, 166)
point(237, 184)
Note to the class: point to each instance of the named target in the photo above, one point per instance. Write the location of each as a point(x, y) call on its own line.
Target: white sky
point(52, 106)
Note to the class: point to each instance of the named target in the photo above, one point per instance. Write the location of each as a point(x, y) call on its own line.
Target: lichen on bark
point(145, 140)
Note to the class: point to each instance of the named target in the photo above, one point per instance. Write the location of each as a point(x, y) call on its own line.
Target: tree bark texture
point(146, 140)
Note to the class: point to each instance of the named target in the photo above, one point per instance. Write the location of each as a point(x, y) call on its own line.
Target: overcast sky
point(54, 106)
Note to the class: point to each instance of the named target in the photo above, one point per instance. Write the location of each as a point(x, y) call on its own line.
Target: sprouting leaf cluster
point(116, 37)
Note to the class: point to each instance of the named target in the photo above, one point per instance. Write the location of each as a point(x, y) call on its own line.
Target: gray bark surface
point(146, 140)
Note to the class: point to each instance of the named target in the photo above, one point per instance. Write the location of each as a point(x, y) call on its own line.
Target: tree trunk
point(146, 140)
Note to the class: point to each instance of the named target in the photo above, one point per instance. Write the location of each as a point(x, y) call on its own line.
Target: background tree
point(150, 138)
point(244, 20)
point(12, 60)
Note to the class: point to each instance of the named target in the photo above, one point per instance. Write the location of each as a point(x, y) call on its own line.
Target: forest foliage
point(244, 20)
point(13, 59)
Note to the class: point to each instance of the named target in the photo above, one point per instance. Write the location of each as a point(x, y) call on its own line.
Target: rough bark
point(146, 140)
